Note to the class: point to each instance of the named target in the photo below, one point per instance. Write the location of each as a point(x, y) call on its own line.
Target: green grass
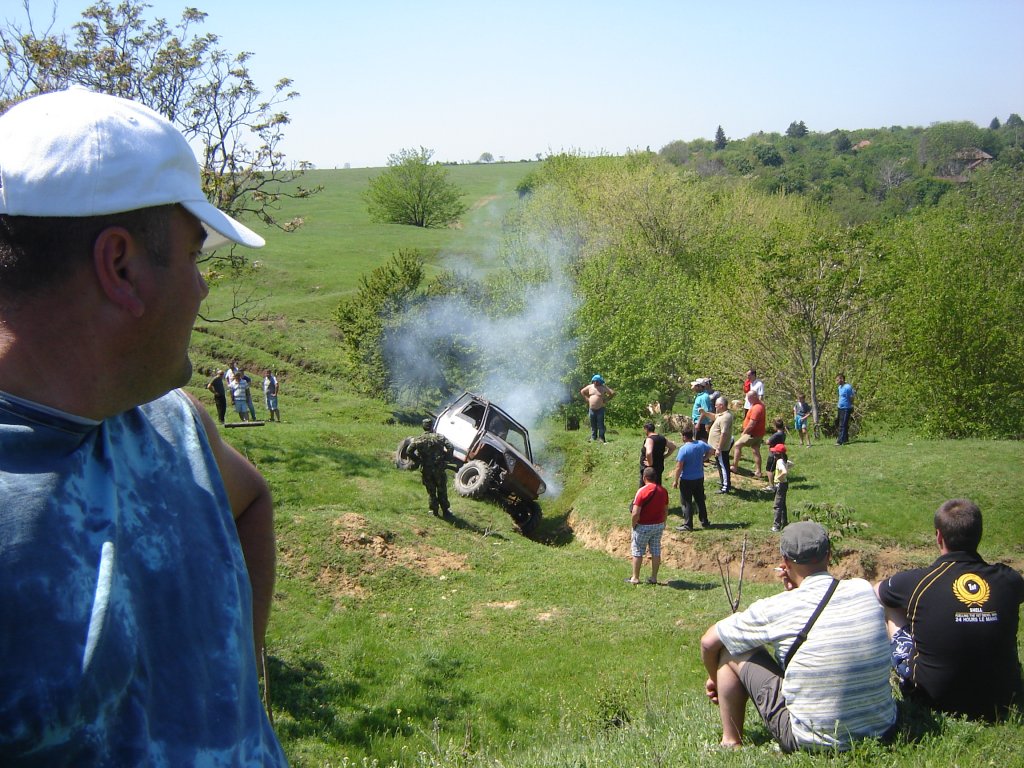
point(401, 639)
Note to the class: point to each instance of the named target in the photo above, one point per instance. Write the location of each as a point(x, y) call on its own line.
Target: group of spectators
point(816, 658)
point(235, 383)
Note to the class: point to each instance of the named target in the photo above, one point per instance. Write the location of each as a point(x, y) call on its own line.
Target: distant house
point(972, 158)
point(962, 163)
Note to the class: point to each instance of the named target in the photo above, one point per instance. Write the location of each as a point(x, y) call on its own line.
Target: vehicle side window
point(517, 440)
point(473, 413)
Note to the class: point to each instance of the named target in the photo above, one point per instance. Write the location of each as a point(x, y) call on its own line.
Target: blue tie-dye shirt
point(126, 621)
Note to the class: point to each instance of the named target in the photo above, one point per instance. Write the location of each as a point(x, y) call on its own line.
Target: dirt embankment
point(702, 551)
point(352, 532)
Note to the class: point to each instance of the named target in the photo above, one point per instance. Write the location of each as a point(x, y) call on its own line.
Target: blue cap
point(598, 377)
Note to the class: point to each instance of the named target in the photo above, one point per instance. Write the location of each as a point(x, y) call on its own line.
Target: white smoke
point(518, 357)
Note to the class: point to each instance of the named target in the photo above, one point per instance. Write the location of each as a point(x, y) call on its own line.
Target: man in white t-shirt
point(752, 384)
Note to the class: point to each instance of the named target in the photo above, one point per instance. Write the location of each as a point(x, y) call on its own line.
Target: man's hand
point(711, 691)
point(783, 572)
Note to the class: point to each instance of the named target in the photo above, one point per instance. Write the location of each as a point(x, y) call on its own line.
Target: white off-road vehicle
point(493, 458)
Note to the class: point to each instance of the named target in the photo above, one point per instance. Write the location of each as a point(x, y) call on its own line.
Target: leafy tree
point(815, 281)
point(842, 142)
point(954, 310)
point(796, 130)
point(938, 146)
point(676, 152)
point(994, 125)
point(414, 191)
point(1014, 121)
point(768, 155)
point(720, 140)
point(486, 157)
point(366, 319)
point(206, 92)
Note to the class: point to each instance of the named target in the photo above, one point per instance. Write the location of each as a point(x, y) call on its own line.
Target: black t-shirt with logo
point(963, 614)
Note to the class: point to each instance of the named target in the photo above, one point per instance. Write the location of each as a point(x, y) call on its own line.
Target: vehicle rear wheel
point(402, 460)
point(473, 480)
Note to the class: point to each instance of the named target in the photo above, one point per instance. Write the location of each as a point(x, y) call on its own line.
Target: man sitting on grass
point(954, 623)
point(824, 693)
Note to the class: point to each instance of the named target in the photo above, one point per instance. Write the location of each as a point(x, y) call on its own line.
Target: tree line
point(676, 275)
point(862, 175)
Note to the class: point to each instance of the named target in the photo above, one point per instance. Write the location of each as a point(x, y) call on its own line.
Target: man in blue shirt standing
point(689, 479)
point(845, 405)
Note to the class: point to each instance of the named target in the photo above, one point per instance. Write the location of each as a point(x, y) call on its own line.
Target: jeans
point(844, 425)
point(691, 491)
point(781, 516)
point(597, 424)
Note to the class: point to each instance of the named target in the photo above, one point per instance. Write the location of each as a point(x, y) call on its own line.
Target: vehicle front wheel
point(473, 479)
point(526, 514)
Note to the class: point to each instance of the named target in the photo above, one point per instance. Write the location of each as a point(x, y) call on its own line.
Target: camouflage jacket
point(431, 451)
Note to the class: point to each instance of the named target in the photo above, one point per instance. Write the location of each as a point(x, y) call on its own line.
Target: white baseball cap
point(78, 153)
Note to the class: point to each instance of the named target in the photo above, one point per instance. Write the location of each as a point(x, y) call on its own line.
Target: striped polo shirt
point(837, 686)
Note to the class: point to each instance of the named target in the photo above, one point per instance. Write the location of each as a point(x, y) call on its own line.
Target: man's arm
point(649, 452)
point(675, 474)
point(710, 650)
point(253, 510)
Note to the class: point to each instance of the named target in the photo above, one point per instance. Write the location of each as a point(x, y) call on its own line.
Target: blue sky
point(517, 79)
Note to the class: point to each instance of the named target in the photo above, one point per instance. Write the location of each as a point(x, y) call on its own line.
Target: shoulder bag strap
point(810, 623)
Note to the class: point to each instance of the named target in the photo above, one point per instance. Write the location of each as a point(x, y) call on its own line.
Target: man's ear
point(117, 261)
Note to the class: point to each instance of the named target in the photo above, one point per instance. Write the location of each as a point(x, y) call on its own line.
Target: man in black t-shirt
point(653, 452)
point(954, 623)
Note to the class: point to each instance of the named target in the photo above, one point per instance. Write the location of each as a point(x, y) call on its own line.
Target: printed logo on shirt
point(972, 590)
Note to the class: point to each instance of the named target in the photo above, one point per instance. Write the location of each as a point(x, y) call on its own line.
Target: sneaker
point(686, 528)
point(705, 524)
point(770, 488)
point(722, 490)
point(775, 529)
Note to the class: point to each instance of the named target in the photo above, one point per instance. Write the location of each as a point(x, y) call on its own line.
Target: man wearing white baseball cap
point(136, 547)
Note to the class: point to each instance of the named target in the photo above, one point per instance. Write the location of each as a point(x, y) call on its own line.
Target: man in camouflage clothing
point(431, 452)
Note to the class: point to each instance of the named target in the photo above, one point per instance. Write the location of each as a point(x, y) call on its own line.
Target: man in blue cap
point(597, 395)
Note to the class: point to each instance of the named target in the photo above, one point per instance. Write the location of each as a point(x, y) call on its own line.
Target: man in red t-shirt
point(753, 433)
point(649, 510)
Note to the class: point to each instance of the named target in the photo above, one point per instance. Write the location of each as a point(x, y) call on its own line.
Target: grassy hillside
point(399, 638)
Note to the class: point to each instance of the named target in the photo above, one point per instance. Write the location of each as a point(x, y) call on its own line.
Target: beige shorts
point(747, 439)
